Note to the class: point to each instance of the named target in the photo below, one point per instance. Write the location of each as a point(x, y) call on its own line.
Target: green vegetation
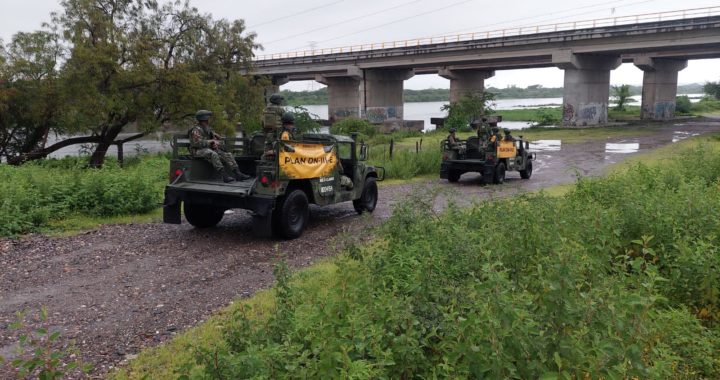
point(41, 353)
point(363, 128)
point(61, 194)
point(472, 106)
point(615, 279)
point(712, 89)
point(621, 96)
point(102, 67)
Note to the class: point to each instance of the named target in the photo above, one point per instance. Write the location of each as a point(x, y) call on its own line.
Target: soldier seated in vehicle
point(288, 126)
point(494, 136)
point(205, 144)
point(452, 142)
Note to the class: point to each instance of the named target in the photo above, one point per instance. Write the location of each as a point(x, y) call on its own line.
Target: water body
point(426, 110)
point(413, 111)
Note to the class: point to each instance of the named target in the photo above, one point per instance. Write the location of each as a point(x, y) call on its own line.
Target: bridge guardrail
point(517, 31)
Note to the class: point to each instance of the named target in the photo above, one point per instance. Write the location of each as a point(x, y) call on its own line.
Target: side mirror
point(363, 152)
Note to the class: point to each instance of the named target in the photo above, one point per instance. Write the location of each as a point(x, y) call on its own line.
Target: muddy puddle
point(546, 145)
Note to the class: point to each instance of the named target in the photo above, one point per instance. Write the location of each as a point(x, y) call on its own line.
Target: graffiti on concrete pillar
point(664, 110)
point(568, 113)
point(591, 114)
point(380, 114)
point(344, 113)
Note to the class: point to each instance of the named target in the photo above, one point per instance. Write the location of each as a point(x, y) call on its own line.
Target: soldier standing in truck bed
point(272, 121)
point(205, 144)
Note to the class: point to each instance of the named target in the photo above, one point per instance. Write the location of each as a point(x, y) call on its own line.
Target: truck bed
point(237, 188)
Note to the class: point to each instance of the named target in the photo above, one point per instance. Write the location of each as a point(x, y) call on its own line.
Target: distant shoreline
point(319, 97)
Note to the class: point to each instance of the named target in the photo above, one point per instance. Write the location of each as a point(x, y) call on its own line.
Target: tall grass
point(35, 194)
point(617, 279)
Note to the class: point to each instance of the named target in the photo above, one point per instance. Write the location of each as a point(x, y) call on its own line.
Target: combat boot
point(225, 177)
point(240, 176)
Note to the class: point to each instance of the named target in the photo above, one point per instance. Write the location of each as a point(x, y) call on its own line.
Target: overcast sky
point(284, 26)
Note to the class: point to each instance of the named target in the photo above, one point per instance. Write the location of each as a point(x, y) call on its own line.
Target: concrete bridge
point(367, 80)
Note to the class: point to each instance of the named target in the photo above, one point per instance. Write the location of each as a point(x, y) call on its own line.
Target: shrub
point(39, 192)
point(349, 125)
point(683, 104)
point(614, 280)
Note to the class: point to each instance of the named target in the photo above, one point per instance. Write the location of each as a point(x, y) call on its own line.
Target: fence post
point(120, 154)
point(421, 143)
point(392, 143)
point(417, 147)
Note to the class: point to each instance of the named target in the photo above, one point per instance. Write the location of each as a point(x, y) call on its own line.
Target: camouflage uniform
point(201, 146)
point(272, 120)
point(200, 138)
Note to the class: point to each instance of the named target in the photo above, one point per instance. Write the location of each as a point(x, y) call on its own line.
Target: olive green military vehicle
point(492, 158)
point(315, 168)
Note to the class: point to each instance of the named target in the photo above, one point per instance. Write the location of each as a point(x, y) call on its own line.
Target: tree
point(471, 106)
point(712, 89)
point(29, 93)
point(621, 96)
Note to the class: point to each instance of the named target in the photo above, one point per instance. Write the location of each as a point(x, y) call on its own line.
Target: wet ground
point(120, 288)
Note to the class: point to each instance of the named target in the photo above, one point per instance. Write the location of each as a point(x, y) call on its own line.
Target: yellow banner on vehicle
point(506, 149)
point(299, 161)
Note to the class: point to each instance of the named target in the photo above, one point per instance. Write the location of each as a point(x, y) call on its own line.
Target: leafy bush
point(470, 107)
point(615, 280)
point(706, 104)
point(38, 193)
point(683, 104)
point(545, 116)
point(349, 125)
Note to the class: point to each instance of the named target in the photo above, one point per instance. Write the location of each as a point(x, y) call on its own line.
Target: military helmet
point(452, 130)
point(495, 129)
point(276, 99)
point(203, 115)
point(506, 131)
point(288, 118)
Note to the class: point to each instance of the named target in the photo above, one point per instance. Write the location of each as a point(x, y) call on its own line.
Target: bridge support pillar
point(275, 82)
point(382, 91)
point(343, 94)
point(586, 87)
point(465, 81)
point(659, 86)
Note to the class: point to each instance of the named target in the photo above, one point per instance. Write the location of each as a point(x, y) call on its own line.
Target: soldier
point(508, 136)
point(205, 144)
point(495, 135)
point(452, 140)
point(288, 126)
point(272, 120)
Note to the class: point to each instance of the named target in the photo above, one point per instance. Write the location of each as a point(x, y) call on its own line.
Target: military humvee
point(307, 170)
point(490, 159)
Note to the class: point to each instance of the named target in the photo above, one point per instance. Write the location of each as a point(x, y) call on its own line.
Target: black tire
point(368, 198)
point(499, 176)
point(453, 176)
point(294, 214)
point(525, 174)
point(203, 216)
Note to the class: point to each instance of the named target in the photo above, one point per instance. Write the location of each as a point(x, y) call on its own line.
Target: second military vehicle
point(315, 168)
point(488, 154)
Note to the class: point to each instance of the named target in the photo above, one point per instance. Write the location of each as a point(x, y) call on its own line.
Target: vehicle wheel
point(499, 174)
point(368, 198)
point(294, 215)
point(453, 176)
point(203, 216)
point(525, 174)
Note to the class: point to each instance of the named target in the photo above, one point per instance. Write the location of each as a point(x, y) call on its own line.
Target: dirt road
point(120, 288)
